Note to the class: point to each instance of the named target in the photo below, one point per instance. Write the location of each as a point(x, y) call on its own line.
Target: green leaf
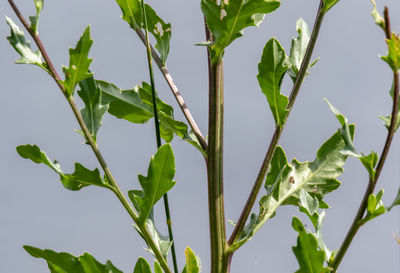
point(131, 12)
point(23, 47)
point(328, 4)
point(81, 177)
point(375, 207)
point(157, 267)
point(309, 256)
point(35, 19)
point(79, 63)
point(395, 202)
point(160, 30)
point(227, 20)
point(298, 48)
point(379, 20)
point(393, 57)
point(271, 71)
point(387, 120)
point(192, 264)
point(136, 106)
point(369, 162)
point(142, 266)
point(94, 110)
point(63, 262)
point(159, 181)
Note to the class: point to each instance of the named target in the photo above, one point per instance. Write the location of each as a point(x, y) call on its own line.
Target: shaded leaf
point(393, 57)
point(192, 263)
point(35, 19)
point(227, 20)
point(79, 63)
point(94, 110)
point(142, 266)
point(63, 262)
point(298, 48)
point(379, 20)
point(328, 4)
point(375, 207)
point(23, 47)
point(81, 177)
point(309, 256)
point(271, 71)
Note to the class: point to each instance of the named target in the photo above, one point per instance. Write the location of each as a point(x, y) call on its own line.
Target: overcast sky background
point(36, 210)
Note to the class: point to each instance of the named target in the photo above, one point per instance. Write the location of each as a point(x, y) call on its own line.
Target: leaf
point(310, 258)
point(192, 262)
point(35, 19)
point(159, 181)
point(227, 20)
point(298, 48)
point(79, 63)
point(142, 266)
point(131, 12)
point(81, 177)
point(94, 110)
point(379, 21)
point(157, 267)
point(63, 262)
point(271, 71)
point(369, 162)
point(328, 4)
point(395, 202)
point(375, 207)
point(393, 57)
point(387, 120)
point(23, 47)
point(136, 106)
point(160, 30)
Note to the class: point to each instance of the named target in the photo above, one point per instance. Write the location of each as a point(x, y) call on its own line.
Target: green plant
point(301, 184)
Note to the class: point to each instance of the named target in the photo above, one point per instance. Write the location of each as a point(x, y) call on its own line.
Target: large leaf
point(23, 47)
point(309, 256)
point(94, 110)
point(136, 106)
point(158, 181)
point(393, 57)
point(228, 19)
point(63, 262)
point(35, 19)
point(299, 184)
point(79, 63)
point(81, 177)
point(131, 12)
point(298, 48)
point(192, 264)
point(271, 70)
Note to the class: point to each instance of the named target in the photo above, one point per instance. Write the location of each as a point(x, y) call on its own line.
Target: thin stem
point(278, 131)
point(115, 188)
point(176, 93)
point(158, 136)
point(356, 224)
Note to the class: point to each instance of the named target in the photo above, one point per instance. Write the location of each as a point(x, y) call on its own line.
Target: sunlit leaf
point(229, 18)
point(271, 71)
point(328, 4)
point(81, 177)
point(375, 207)
point(192, 263)
point(298, 48)
point(379, 20)
point(142, 266)
point(35, 19)
point(369, 161)
point(131, 12)
point(393, 57)
point(79, 63)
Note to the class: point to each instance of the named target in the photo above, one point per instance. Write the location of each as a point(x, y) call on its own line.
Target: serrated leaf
point(159, 181)
point(63, 262)
point(369, 161)
point(379, 20)
point(142, 266)
point(285, 181)
point(94, 110)
point(192, 263)
point(298, 48)
point(35, 19)
point(375, 207)
point(271, 71)
point(79, 63)
point(131, 12)
point(81, 177)
point(160, 30)
point(228, 19)
point(310, 258)
point(393, 57)
point(136, 106)
point(328, 4)
point(23, 47)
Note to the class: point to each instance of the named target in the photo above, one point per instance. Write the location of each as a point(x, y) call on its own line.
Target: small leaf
point(79, 63)
point(81, 177)
point(271, 70)
point(396, 201)
point(160, 30)
point(131, 12)
point(192, 262)
point(379, 20)
point(66, 263)
point(35, 19)
point(369, 162)
point(158, 181)
point(23, 47)
point(310, 258)
point(157, 267)
point(328, 4)
point(393, 57)
point(308, 202)
point(228, 19)
point(375, 207)
point(298, 48)
point(94, 110)
point(387, 120)
point(142, 266)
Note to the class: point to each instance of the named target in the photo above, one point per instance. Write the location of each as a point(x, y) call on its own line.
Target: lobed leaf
point(23, 47)
point(271, 71)
point(35, 19)
point(192, 264)
point(228, 19)
point(63, 262)
point(393, 57)
point(81, 177)
point(94, 110)
point(298, 48)
point(79, 63)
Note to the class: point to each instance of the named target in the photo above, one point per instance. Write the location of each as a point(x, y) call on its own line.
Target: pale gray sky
point(36, 210)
